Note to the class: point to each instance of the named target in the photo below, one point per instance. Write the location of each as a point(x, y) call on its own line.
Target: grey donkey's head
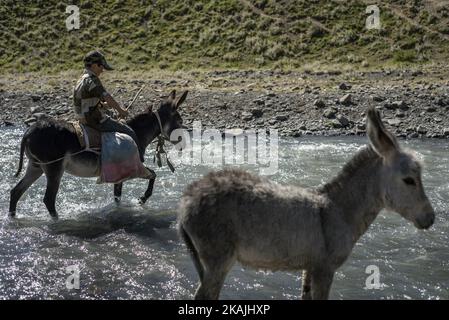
point(401, 183)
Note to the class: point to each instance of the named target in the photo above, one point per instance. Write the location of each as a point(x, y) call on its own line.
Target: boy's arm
point(111, 103)
point(100, 91)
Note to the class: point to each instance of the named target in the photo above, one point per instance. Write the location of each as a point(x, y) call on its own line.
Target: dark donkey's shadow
point(89, 225)
point(155, 225)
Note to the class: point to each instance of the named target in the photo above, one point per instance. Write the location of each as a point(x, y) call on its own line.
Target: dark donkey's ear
point(181, 99)
point(172, 95)
point(384, 142)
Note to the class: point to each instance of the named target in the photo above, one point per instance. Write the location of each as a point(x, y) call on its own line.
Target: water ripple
point(133, 252)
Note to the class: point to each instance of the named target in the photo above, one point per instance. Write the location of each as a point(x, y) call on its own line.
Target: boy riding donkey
point(53, 146)
point(90, 98)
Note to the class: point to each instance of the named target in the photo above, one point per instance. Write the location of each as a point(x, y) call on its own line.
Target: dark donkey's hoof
point(54, 215)
point(142, 200)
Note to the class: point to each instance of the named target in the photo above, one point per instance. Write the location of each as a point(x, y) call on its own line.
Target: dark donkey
point(49, 140)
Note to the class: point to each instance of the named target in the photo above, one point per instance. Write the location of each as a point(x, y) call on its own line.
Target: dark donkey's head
point(170, 119)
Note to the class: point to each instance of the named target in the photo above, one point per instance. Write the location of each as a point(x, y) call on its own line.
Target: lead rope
point(62, 158)
point(160, 146)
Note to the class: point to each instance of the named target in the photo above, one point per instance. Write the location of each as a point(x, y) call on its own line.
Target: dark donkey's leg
point(149, 191)
point(54, 174)
point(118, 192)
point(32, 174)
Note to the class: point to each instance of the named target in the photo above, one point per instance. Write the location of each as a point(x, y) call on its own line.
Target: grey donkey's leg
point(118, 192)
point(32, 174)
point(211, 284)
point(321, 280)
point(306, 293)
point(217, 258)
point(149, 190)
point(54, 174)
point(215, 271)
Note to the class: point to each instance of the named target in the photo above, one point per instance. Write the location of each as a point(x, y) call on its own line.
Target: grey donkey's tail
point(22, 150)
point(193, 251)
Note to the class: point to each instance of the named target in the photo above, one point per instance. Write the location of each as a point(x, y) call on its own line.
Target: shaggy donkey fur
point(231, 216)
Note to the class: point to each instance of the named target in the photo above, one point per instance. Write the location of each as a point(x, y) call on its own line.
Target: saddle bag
point(120, 159)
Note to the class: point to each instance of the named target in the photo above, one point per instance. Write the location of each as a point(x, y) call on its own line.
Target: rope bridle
point(164, 135)
point(161, 138)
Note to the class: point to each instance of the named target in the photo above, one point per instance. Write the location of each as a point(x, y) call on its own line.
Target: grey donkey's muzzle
point(425, 221)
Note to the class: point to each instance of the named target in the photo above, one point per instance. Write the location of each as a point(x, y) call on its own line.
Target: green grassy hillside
point(177, 34)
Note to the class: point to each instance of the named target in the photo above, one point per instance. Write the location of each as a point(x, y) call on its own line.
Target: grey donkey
point(232, 215)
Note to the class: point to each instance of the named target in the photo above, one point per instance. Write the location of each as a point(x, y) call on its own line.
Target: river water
point(133, 252)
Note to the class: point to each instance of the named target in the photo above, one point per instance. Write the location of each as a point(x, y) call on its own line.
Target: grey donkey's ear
point(384, 142)
point(181, 99)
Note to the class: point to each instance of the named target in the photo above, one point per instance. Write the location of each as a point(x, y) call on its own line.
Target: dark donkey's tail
point(22, 150)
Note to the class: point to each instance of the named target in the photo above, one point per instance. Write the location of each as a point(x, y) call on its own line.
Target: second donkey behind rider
point(89, 95)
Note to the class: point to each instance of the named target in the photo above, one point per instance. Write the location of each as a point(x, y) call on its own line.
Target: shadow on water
point(89, 225)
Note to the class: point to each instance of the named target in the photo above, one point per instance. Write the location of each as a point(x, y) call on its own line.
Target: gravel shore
point(414, 104)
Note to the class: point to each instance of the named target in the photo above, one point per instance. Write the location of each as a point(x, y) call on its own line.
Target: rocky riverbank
point(413, 103)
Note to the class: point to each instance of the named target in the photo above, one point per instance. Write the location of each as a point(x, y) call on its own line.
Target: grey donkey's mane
point(366, 154)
